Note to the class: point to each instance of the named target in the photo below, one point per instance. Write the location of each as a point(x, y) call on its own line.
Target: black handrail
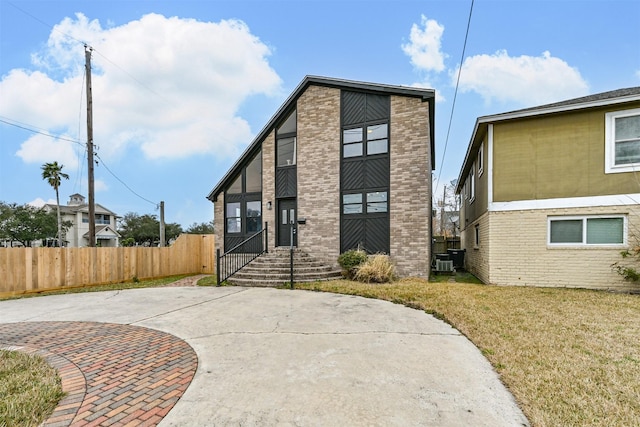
point(240, 255)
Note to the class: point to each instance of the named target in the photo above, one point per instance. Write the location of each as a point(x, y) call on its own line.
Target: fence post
point(266, 237)
point(218, 267)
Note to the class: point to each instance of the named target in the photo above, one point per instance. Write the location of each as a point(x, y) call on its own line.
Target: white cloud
point(100, 185)
point(39, 202)
point(526, 80)
point(424, 47)
point(175, 91)
point(42, 149)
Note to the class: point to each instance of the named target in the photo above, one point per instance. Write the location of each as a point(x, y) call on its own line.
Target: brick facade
point(521, 256)
point(319, 172)
point(318, 146)
point(410, 189)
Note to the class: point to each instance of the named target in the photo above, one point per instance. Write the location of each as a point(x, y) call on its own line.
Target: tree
point(52, 173)
point(24, 223)
point(202, 228)
point(145, 229)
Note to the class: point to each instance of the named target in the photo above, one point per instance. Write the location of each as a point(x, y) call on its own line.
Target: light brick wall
point(477, 257)
point(520, 254)
point(219, 225)
point(269, 186)
point(410, 189)
point(319, 172)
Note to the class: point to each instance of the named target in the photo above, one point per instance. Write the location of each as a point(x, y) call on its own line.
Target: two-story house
point(351, 161)
point(550, 194)
point(76, 211)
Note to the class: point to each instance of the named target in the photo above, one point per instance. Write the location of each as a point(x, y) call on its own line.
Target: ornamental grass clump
point(350, 261)
point(376, 269)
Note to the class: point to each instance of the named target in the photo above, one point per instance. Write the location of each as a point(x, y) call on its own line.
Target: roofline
point(483, 121)
point(427, 95)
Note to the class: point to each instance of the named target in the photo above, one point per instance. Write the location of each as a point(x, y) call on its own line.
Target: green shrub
point(377, 269)
point(350, 260)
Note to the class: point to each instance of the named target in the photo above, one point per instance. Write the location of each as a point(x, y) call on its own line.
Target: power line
point(33, 129)
point(122, 182)
point(455, 94)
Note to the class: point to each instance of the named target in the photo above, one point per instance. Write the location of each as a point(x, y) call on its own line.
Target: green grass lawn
point(570, 357)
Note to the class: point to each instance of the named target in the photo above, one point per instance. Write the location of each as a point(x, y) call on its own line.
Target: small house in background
point(550, 195)
point(347, 164)
point(77, 212)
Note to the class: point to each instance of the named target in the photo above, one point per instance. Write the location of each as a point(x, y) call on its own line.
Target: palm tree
point(52, 173)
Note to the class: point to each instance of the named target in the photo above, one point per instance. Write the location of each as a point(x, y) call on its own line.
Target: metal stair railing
point(240, 255)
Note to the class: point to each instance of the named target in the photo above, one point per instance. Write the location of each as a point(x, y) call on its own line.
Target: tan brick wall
point(218, 215)
point(269, 185)
point(319, 172)
point(477, 256)
point(410, 189)
point(520, 254)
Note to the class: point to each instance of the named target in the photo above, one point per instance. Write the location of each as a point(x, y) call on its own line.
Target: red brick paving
point(113, 374)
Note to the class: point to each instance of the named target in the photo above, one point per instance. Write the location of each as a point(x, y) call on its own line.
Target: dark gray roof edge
point(425, 94)
point(597, 99)
point(611, 97)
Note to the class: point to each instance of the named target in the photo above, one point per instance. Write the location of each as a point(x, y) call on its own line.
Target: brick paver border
point(113, 374)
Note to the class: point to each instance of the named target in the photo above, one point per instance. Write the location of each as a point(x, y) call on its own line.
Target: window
point(236, 186)
point(286, 141)
point(587, 230)
point(376, 140)
point(477, 236)
point(353, 141)
point(253, 174)
point(352, 204)
point(100, 219)
point(622, 141)
point(254, 216)
point(481, 160)
point(472, 184)
point(376, 203)
point(234, 218)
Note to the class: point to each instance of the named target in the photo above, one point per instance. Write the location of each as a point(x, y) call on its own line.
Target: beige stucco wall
point(410, 187)
point(520, 254)
point(555, 156)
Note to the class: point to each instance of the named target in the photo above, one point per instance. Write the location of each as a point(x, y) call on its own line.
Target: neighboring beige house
point(550, 195)
point(350, 160)
point(77, 212)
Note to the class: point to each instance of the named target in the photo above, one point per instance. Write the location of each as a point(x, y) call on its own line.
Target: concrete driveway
point(299, 358)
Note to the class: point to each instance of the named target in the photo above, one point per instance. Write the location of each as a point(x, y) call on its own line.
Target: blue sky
point(181, 87)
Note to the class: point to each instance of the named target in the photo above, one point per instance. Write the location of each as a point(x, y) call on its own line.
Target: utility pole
point(162, 233)
point(92, 201)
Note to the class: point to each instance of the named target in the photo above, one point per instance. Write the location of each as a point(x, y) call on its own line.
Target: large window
point(286, 141)
point(622, 141)
point(376, 202)
point(587, 230)
point(357, 141)
point(243, 205)
point(234, 218)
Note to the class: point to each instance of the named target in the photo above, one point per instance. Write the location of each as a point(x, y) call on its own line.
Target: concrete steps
point(273, 269)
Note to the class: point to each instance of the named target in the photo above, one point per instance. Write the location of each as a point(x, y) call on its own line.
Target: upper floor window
point(622, 141)
point(371, 139)
point(101, 219)
point(286, 141)
point(587, 230)
point(481, 160)
point(472, 184)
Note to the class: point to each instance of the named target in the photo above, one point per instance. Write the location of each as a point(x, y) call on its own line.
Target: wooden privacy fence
point(26, 270)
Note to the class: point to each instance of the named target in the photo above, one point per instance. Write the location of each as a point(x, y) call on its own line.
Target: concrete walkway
point(264, 357)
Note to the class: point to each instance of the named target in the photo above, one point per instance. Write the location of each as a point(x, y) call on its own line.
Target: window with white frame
point(587, 230)
point(622, 141)
point(481, 159)
point(472, 183)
